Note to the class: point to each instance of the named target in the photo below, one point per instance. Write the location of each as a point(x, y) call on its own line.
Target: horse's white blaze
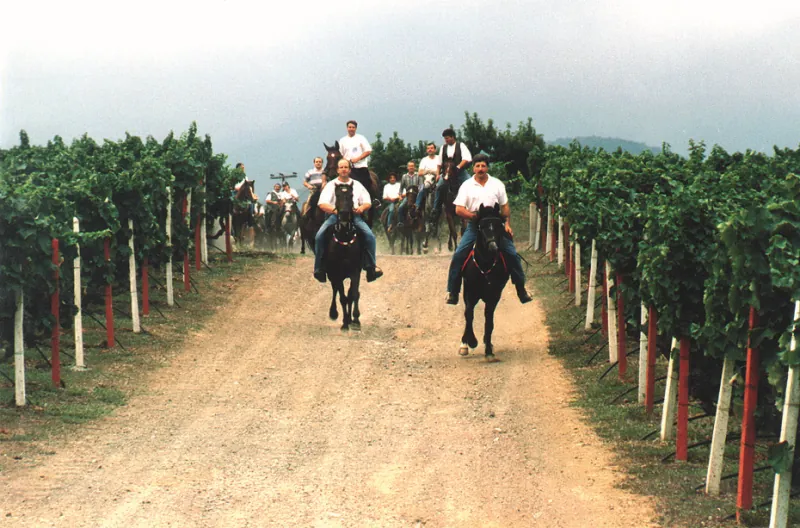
point(715, 457)
point(170, 292)
point(670, 395)
point(78, 319)
point(591, 293)
point(19, 351)
point(134, 292)
point(783, 481)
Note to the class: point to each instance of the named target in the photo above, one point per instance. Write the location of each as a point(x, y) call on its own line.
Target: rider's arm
point(327, 208)
point(307, 185)
point(463, 212)
point(505, 211)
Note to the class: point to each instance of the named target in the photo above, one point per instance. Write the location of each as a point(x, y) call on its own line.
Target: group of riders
point(352, 169)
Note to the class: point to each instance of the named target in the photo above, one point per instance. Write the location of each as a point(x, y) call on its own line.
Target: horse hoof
point(334, 315)
point(463, 350)
point(345, 328)
point(490, 358)
point(355, 325)
point(473, 343)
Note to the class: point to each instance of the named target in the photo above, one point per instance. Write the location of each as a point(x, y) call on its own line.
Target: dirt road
point(274, 417)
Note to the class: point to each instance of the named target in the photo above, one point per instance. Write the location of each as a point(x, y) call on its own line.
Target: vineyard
point(80, 222)
point(697, 259)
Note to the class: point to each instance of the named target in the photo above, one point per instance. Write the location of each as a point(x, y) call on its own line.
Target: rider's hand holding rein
point(505, 212)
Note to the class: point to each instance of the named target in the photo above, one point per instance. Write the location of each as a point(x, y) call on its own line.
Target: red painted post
point(571, 264)
point(553, 233)
point(744, 498)
point(187, 284)
point(197, 243)
point(682, 440)
point(604, 304)
point(543, 231)
point(145, 287)
point(55, 359)
point(652, 334)
point(621, 345)
point(565, 235)
point(228, 248)
point(109, 310)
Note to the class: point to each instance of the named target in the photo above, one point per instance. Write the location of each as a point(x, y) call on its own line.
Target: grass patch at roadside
point(112, 375)
point(623, 423)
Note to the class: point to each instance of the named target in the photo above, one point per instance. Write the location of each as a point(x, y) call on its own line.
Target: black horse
point(413, 223)
point(331, 163)
point(485, 274)
point(451, 186)
point(244, 212)
point(343, 259)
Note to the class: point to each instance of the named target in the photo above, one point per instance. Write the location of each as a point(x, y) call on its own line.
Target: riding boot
point(522, 293)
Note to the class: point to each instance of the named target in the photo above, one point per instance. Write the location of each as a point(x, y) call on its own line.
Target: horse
point(412, 223)
point(243, 211)
point(391, 236)
point(311, 221)
point(452, 184)
point(288, 226)
point(427, 215)
point(485, 274)
point(343, 259)
point(331, 160)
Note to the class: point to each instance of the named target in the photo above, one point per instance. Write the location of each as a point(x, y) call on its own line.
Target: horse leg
point(332, 313)
point(489, 328)
point(468, 339)
point(346, 307)
point(354, 295)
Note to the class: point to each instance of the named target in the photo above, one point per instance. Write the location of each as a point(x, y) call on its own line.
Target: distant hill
point(607, 143)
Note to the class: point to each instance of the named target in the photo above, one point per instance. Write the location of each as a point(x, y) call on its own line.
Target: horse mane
point(246, 186)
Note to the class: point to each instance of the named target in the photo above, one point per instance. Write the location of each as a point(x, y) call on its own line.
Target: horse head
point(246, 191)
point(490, 228)
point(331, 160)
point(344, 205)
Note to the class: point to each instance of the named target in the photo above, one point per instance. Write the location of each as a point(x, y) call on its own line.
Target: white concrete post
point(591, 294)
point(170, 292)
point(670, 395)
point(779, 517)
point(203, 232)
point(716, 456)
point(137, 328)
point(532, 224)
point(19, 351)
point(642, 355)
point(77, 293)
point(611, 310)
point(577, 253)
point(560, 240)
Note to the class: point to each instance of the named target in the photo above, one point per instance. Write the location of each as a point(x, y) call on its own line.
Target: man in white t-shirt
point(313, 181)
point(429, 167)
point(391, 195)
point(361, 203)
point(356, 149)
point(483, 189)
point(289, 198)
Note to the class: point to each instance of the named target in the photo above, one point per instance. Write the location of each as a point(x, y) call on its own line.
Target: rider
point(410, 180)
point(486, 190)
point(391, 195)
point(458, 153)
point(362, 203)
point(289, 198)
point(273, 202)
point(355, 148)
point(429, 167)
point(314, 181)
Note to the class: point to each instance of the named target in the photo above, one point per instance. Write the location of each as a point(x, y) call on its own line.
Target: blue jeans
point(391, 211)
point(401, 210)
point(504, 244)
point(367, 239)
point(423, 191)
point(441, 189)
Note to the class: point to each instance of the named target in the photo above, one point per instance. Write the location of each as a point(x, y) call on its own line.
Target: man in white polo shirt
point(429, 169)
point(486, 190)
point(391, 195)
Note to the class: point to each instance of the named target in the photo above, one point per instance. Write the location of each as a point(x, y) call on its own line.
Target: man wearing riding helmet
point(488, 191)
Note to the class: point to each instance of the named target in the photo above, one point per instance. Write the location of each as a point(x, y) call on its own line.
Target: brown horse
point(413, 223)
point(244, 211)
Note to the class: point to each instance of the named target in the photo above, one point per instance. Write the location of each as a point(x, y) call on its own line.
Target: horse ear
point(336, 145)
point(326, 146)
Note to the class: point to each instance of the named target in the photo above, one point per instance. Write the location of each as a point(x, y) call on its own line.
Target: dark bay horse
point(413, 223)
point(243, 211)
point(452, 185)
point(485, 274)
point(343, 259)
point(332, 159)
point(311, 221)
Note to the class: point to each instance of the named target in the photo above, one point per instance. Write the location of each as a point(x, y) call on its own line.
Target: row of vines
point(115, 206)
point(699, 256)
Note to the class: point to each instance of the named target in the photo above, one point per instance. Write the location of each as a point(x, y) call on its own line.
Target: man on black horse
point(458, 153)
point(486, 190)
point(355, 148)
point(362, 203)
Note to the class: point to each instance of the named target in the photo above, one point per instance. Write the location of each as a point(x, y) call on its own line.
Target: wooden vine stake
point(198, 247)
point(533, 213)
point(744, 496)
point(203, 230)
point(642, 387)
point(779, 517)
point(652, 340)
point(19, 351)
point(577, 254)
point(670, 396)
point(170, 291)
point(137, 327)
point(187, 206)
point(228, 247)
point(611, 317)
point(560, 253)
point(592, 291)
point(55, 334)
point(622, 346)
point(682, 441)
point(716, 456)
point(77, 323)
point(109, 299)
point(537, 238)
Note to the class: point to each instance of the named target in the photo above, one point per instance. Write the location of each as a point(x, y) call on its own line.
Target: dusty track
point(274, 417)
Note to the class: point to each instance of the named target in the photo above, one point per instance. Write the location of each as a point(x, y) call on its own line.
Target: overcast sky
point(270, 82)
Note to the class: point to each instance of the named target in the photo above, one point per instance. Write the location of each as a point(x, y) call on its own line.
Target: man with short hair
point(391, 195)
point(483, 189)
point(288, 198)
point(273, 208)
point(356, 149)
point(314, 180)
point(361, 204)
point(410, 180)
point(429, 168)
point(458, 153)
